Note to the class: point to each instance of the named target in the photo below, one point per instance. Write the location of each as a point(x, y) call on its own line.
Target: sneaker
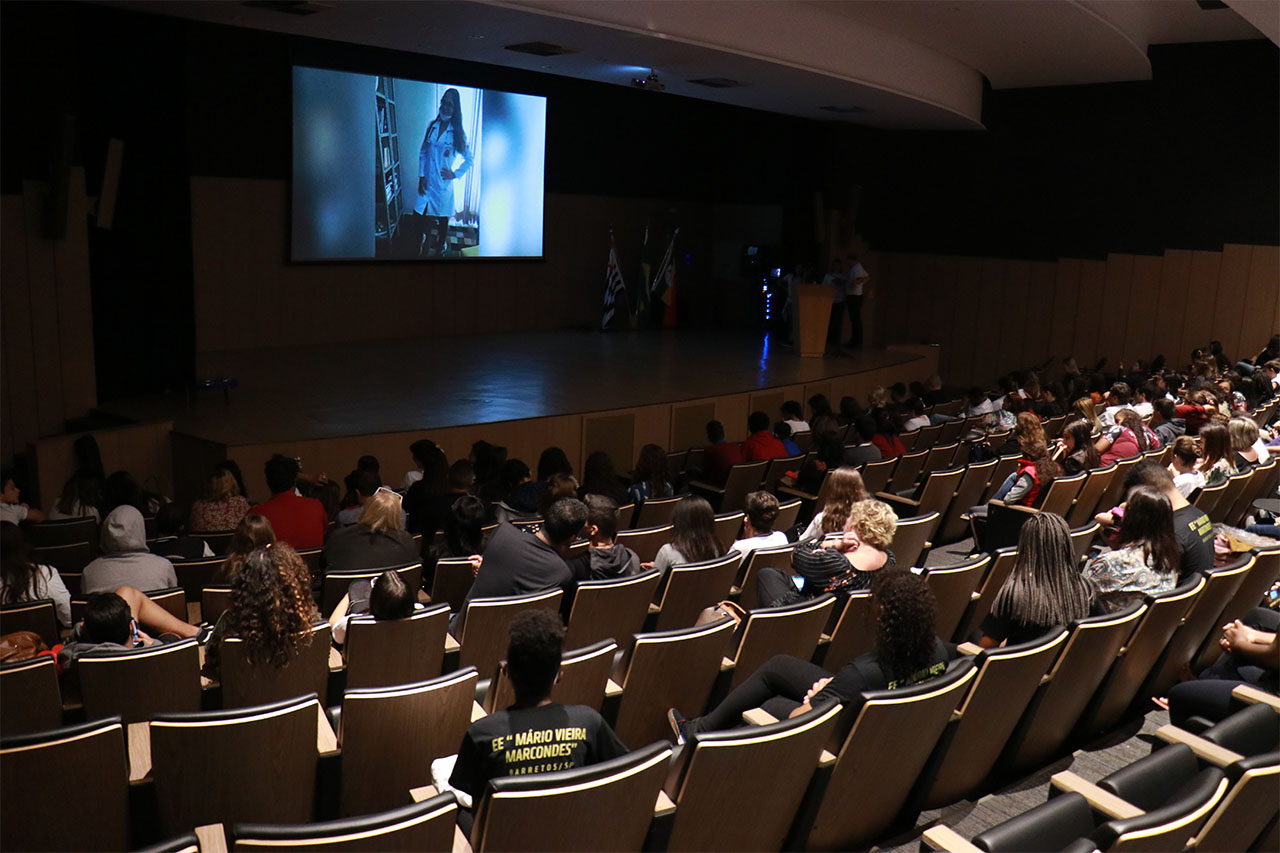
point(681, 726)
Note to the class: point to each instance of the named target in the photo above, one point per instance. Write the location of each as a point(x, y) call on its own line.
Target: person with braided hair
point(907, 652)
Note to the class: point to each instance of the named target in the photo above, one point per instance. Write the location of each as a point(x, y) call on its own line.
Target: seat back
point(1085, 505)
point(953, 588)
point(929, 435)
point(777, 467)
point(743, 478)
point(747, 582)
point(452, 581)
point(1236, 486)
point(1001, 567)
point(952, 430)
point(1082, 538)
point(1061, 492)
point(1005, 465)
point(1054, 825)
point(30, 700)
point(1053, 427)
point(692, 587)
point(716, 768)
point(195, 575)
point(486, 624)
point(1058, 703)
point(1004, 526)
point(217, 540)
point(1168, 827)
point(245, 684)
point(728, 526)
point(614, 608)
point(656, 512)
point(427, 826)
point(891, 735)
point(71, 557)
point(1250, 804)
point(383, 652)
point(940, 456)
point(910, 440)
point(645, 541)
point(875, 475)
point(1256, 582)
point(791, 630)
point(1114, 492)
point(1257, 488)
point(390, 736)
point(912, 537)
point(583, 675)
point(676, 463)
point(908, 470)
point(549, 811)
point(335, 584)
point(214, 601)
point(62, 531)
point(34, 765)
point(668, 669)
point(854, 632)
point(1165, 613)
point(137, 684)
point(37, 616)
point(268, 750)
point(1207, 500)
point(1199, 623)
point(1007, 679)
point(938, 489)
point(953, 527)
point(789, 512)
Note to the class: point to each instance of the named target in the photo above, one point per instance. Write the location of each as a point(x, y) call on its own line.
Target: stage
point(581, 390)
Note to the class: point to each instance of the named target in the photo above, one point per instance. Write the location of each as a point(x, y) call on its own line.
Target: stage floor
point(431, 383)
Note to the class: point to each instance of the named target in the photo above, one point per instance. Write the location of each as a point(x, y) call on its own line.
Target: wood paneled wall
point(992, 315)
point(46, 319)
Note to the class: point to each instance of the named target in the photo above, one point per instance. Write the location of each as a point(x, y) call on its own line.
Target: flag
point(664, 283)
point(640, 310)
point(614, 287)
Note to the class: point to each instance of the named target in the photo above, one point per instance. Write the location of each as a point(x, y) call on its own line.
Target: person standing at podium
point(856, 287)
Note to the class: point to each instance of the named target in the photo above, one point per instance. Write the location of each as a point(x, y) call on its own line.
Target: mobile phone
point(799, 582)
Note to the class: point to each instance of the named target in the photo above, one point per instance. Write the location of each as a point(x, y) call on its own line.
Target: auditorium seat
point(336, 583)
point(1005, 465)
point(250, 764)
point(452, 581)
point(62, 531)
point(929, 435)
point(1085, 506)
point(195, 575)
point(1265, 572)
point(1140, 653)
point(390, 735)
point(314, 558)
point(245, 684)
point(998, 572)
point(911, 541)
point(484, 626)
point(1199, 623)
point(70, 558)
point(953, 588)
point(1261, 485)
point(746, 586)
point(767, 631)
point(933, 496)
point(910, 440)
point(853, 634)
point(186, 843)
point(1235, 487)
point(952, 430)
point(36, 616)
point(1001, 527)
point(1061, 492)
point(584, 677)
point(1006, 680)
point(137, 684)
point(428, 826)
point(742, 478)
point(692, 587)
point(890, 735)
point(953, 527)
point(1082, 539)
point(214, 601)
point(656, 512)
point(778, 466)
point(1206, 499)
point(217, 540)
point(906, 472)
point(30, 698)
point(1061, 698)
point(667, 669)
point(645, 541)
point(716, 768)
point(566, 810)
point(172, 599)
point(627, 514)
point(35, 768)
point(383, 652)
point(940, 456)
point(788, 513)
point(1053, 427)
point(614, 608)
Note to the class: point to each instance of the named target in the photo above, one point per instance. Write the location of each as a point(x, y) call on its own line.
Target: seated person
point(720, 455)
point(1190, 524)
point(566, 736)
point(757, 527)
point(793, 416)
point(1145, 556)
point(1187, 476)
point(376, 541)
point(11, 507)
point(865, 450)
point(125, 560)
point(385, 597)
point(1250, 655)
point(604, 558)
point(782, 432)
point(111, 622)
point(297, 520)
point(918, 419)
point(838, 562)
point(907, 652)
point(693, 536)
point(760, 444)
point(173, 541)
point(360, 487)
point(22, 580)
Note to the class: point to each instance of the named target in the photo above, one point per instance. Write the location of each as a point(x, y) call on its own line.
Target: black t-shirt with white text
point(519, 741)
point(1195, 538)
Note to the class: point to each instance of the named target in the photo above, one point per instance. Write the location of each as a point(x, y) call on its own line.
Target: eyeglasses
point(390, 491)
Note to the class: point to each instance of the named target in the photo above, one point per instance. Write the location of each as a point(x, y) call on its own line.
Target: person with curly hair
point(844, 491)
point(271, 610)
point(907, 652)
point(840, 562)
point(253, 532)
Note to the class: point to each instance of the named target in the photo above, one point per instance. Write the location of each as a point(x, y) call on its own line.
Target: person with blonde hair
point(377, 540)
point(845, 490)
point(840, 562)
point(222, 506)
point(1084, 407)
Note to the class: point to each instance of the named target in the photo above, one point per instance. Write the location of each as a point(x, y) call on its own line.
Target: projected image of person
point(438, 167)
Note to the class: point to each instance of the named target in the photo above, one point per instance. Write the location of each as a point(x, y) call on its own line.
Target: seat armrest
point(663, 805)
point(1252, 695)
point(1099, 800)
point(758, 717)
point(477, 712)
point(969, 648)
point(795, 493)
point(450, 644)
point(700, 486)
point(213, 838)
point(891, 499)
point(612, 688)
point(423, 793)
point(460, 842)
point(945, 838)
point(1206, 750)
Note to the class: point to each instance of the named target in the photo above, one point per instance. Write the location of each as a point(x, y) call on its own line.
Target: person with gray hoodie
point(125, 560)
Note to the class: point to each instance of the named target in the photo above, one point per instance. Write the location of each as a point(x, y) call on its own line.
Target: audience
point(377, 540)
point(22, 580)
point(1126, 438)
point(223, 504)
point(297, 520)
point(693, 536)
point(1187, 477)
point(844, 490)
point(757, 526)
point(1078, 450)
point(650, 477)
point(516, 563)
point(600, 478)
point(782, 432)
point(12, 509)
point(719, 455)
point(172, 540)
point(253, 532)
point(421, 497)
point(1191, 526)
point(125, 560)
point(866, 450)
point(386, 597)
point(760, 444)
point(839, 562)
point(793, 416)
point(1215, 455)
point(1145, 556)
point(604, 558)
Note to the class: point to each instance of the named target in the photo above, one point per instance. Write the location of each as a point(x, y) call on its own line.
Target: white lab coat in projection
point(438, 153)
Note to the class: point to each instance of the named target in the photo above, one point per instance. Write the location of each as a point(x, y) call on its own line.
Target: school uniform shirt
point(1195, 539)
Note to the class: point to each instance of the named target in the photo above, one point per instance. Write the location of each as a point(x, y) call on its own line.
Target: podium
point(811, 319)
